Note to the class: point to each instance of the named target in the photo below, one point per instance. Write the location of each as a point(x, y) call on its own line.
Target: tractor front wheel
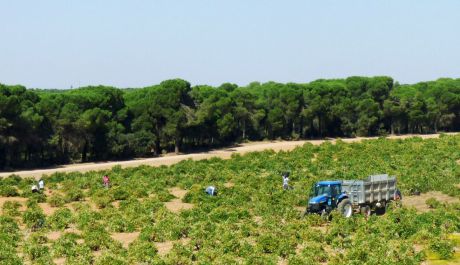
point(345, 208)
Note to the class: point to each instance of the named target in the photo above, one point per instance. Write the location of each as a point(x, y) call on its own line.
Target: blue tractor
point(327, 196)
point(347, 196)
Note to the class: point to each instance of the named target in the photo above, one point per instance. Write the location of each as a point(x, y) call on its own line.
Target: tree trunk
point(85, 150)
point(176, 145)
point(157, 146)
point(319, 127)
point(244, 130)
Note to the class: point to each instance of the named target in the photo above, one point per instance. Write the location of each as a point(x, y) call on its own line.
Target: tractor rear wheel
point(345, 208)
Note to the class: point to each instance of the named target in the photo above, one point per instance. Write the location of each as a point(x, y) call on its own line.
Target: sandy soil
point(47, 209)
point(176, 205)
point(165, 247)
point(224, 153)
point(229, 184)
point(21, 200)
point(55, 235)
point(419, 202)
point(59, 261)
point(125, 238)
point(258, 220)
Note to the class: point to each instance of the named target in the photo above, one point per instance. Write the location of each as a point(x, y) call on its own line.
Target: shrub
point(8, 191)
point(9, 256)
point(86, 218)
point(142, 252)
point(9, 231)
point(61, 219)
point(34, 217)
point(167, 227)
point(12, 180)
point(97, 238)
point(443, 247)
point(80, 255)
point(9, 239)
point(65, 245)
point(37, 197)
point(118, 223)
point(164, 196)
point(11, 208)
point(56, 200)
point(36, 250)
point(111, 259)
point(74, 194)
point(120, 194)
point(433, 203)
point(102, 198)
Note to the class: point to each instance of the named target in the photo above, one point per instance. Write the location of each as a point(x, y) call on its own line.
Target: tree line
point(95, 123)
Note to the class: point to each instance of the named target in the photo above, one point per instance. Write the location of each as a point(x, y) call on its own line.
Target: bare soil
point(224, 153)
point(47, 208)
point(125, 238)
point(165, 247)
point(176, 205)
point(419, 202)
point(55, 235)
point(258, 220)
point(59, 261)
point(21, 200)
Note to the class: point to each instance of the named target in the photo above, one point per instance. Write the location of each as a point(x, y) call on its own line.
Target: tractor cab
point(325, 196)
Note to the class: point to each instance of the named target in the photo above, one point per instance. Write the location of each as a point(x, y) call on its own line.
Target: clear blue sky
point(56, 44)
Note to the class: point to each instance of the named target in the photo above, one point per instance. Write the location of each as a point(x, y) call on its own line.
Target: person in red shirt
point(106, 181)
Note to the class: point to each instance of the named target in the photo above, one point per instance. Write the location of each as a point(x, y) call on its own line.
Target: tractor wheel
point(365, 210)
point(382, 209)
point(324, 215)
point(345, 208)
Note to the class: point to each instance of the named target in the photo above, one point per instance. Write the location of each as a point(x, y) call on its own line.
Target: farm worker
point(106, 181)
point(34, 188)
point(286, 181)
point(211, 190)
point(41, 184)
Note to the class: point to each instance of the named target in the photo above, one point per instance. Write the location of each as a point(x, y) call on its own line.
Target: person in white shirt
point(41, 184)
point(286, 181)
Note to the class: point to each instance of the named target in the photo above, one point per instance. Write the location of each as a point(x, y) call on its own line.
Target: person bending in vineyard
point(34, 188)
point(211, 190)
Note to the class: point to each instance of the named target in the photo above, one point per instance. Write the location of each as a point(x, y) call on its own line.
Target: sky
point(136, 43)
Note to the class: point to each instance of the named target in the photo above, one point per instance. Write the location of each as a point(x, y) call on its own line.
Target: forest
point(49, 127)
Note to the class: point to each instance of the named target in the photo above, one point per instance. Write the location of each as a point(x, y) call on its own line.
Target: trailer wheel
point(345, 208)
point(365, 210)
point(382, 209)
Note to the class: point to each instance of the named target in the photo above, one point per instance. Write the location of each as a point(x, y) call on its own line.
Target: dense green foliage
point(44, 127)
point(253, 221)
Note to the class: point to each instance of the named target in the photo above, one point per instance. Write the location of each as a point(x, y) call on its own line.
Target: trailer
point(348, 196)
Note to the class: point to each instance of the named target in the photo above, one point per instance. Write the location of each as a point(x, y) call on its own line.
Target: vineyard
point(161, 215)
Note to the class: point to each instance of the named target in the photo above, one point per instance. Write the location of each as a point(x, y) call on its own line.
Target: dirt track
point(169, 160)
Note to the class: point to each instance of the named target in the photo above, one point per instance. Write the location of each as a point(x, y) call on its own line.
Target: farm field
point(160, 215)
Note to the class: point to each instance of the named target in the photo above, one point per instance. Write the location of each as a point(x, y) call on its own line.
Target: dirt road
point(224, 153)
